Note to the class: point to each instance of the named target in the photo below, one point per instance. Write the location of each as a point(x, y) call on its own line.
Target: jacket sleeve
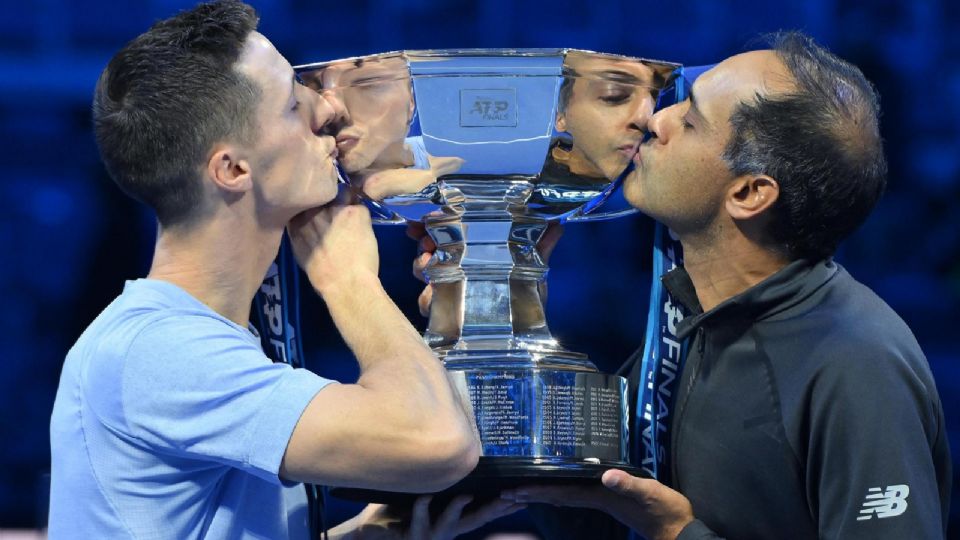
point(696, 530)
point(877, 459)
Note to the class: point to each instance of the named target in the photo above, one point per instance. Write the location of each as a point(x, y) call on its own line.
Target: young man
point(806, 408)
point(169, 421)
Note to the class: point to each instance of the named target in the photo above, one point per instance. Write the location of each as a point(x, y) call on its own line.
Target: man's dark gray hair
point(167, 97)
point(821, 143)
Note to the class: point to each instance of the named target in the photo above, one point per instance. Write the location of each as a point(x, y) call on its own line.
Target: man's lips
point(345, 143)
point(629, 150)
point(637, 160)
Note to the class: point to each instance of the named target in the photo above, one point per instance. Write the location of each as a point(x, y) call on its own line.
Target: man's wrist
point(348, 283)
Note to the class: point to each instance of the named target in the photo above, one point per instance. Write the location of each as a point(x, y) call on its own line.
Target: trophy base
point(495, 474)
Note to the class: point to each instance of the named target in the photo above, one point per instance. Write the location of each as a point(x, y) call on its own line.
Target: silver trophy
point(485, 148)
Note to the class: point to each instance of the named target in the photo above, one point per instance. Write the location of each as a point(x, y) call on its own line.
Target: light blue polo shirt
point(170, 422)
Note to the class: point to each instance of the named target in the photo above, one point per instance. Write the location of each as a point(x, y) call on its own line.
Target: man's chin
point(318, 197)
point(631, 189)
point(328, 195)
point(354, 163)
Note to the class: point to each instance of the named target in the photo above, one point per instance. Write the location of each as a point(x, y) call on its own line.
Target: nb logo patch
point(884, 504)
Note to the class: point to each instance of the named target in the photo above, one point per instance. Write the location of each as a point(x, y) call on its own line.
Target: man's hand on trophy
point(426, 246)
point(384, 522)
point(643, 504)
point(548, 241)
point(383, 183)
point(333, 244)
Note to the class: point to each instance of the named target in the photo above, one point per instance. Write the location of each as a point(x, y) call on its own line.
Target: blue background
point(69, 238)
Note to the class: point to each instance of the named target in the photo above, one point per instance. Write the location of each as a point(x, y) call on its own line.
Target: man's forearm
point(393, 358)
point(387, 347)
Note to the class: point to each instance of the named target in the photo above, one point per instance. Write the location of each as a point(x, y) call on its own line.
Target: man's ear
point(411, 109)
point(751, 195)
point(561, 122)
point(228, 169)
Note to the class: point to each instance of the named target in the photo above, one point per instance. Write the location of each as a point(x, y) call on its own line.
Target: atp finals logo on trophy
point(488, 108)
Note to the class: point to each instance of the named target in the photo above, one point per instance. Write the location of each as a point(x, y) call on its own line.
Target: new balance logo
point(884, 504)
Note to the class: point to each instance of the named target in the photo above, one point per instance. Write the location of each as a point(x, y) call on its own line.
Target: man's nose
point(329, 112)
point(642, 112)
point(655, 124)
point(334, 99)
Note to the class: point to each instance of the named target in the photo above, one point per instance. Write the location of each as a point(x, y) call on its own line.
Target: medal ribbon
point(663, 354)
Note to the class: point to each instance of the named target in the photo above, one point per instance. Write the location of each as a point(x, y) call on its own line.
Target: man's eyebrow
point(693, 106)
point(616, 75)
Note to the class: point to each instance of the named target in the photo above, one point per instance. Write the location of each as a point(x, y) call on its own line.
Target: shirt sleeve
point(875, 430)
point(197, 387)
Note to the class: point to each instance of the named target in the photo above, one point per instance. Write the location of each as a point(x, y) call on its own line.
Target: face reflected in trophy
point(486, 147)
point(379, 106)
point(371, 137)
point(603, 109)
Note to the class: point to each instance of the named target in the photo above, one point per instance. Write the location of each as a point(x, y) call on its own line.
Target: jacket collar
point(787, 287)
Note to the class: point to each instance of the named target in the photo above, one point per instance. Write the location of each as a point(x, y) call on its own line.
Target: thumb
point(424, 300)
point(623, 483)
point(444, 165)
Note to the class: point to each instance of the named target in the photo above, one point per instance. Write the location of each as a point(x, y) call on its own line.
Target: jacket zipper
point(694, 368)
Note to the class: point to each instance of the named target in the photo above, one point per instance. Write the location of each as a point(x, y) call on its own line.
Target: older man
point(806, 408)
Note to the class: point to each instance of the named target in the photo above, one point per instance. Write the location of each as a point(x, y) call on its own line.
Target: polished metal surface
point(486, 147)
point(550, 414)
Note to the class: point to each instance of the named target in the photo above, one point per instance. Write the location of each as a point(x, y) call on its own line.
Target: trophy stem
point(486, 275)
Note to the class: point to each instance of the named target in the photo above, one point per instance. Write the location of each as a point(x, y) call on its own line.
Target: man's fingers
point(652, 508)
point(549, 240)
point(426, 245)
point(420, 265)
point(416, 230)
point(306, 229)
point(444, 165)
point(626, 484)
point(420, 518)
point(390, 182)
point(584, 497)
point(423, 302)
point(490, 511)
point(446, 525)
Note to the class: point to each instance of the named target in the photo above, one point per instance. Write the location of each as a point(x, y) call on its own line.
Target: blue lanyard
point(276, 306)
point(664, 354)
point(661, 365)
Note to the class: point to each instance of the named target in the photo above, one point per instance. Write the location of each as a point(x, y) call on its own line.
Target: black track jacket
point(805, 410)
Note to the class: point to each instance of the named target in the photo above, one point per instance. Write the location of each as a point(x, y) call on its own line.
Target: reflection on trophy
point(372, 137)
point(485, 147)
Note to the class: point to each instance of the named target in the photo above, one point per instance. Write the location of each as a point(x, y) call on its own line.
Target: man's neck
point(721, 268)
point(220, 262)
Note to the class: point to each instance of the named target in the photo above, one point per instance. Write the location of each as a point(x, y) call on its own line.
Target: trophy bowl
point(485, 147)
